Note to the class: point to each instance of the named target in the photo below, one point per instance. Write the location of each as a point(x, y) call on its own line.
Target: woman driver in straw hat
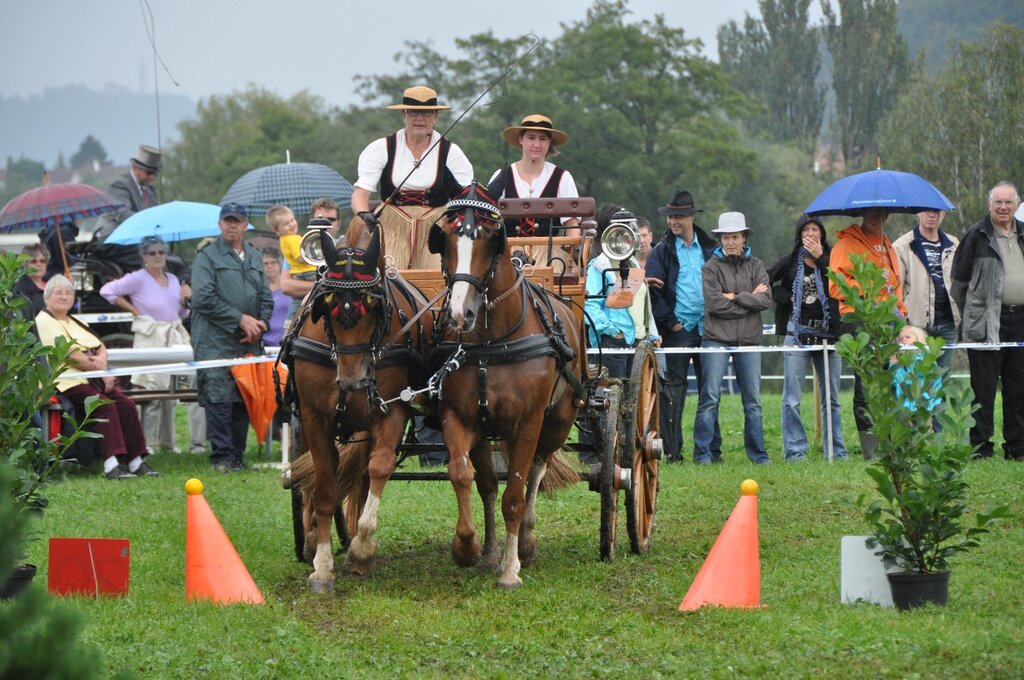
point(534, 176)
point(435, 175)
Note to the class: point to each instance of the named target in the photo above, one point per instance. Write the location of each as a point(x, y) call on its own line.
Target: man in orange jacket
point(867, 239)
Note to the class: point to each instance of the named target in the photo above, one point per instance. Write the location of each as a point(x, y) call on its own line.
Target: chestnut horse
point(520, 379)
point(360, 341)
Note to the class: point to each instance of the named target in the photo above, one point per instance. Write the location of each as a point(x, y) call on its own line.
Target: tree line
point(789, 107)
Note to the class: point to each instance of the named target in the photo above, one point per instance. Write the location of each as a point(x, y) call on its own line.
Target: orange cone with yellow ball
point(731, 575)
point(213, 569)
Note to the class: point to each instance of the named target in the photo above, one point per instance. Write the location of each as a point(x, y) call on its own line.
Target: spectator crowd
point(702, 290)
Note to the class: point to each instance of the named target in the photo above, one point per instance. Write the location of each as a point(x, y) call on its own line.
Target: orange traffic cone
point(213, 569)
point(731, 575)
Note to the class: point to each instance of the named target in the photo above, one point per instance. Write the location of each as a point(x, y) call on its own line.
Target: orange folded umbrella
point(256, 383)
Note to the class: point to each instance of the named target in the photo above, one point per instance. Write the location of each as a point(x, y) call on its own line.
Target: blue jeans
point(795, 365)
point(673, 392)
point(748, 376)
point(946, 331)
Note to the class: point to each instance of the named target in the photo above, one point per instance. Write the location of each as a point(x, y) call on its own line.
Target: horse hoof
point(321, 586)
point(510, 584)
point(464, 557)
point(489, 564)
point(527, 550)
point(358, 567)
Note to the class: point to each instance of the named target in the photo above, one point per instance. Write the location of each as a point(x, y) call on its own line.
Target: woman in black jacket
point(806, 315)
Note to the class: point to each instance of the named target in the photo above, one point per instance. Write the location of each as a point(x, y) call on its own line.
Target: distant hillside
point(43, 126)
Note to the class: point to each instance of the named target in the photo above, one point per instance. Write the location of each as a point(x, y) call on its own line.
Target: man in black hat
point(674, 273)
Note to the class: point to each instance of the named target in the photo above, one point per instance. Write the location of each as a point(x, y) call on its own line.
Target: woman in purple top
point(272, 267)
point(159, 302)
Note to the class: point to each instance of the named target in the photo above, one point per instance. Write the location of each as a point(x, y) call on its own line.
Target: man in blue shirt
point(674, 275)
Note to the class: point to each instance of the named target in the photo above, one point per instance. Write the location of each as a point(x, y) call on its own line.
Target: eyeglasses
point(1001, 204)
point(38, 260)
point(419, 114)
point(157, 253)
point(332, 220)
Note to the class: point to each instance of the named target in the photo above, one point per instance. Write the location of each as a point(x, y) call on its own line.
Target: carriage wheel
point(641, 446)
point(608, 443)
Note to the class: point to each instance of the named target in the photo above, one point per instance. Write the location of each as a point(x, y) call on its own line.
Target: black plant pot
point(914, 589)
point(17, 581)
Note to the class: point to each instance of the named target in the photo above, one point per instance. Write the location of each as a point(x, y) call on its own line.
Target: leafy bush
point(28, 379)
point(918, 523)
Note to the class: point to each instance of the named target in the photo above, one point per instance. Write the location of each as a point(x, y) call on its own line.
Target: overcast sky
point(215, 46)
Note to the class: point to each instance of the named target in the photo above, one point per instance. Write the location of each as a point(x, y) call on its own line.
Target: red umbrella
point(52, 203)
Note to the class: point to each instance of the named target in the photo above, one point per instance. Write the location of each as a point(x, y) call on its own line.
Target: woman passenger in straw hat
point(437, 174)
point(534, 176)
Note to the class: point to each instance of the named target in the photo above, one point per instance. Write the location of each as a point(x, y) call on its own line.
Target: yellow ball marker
point(194, 487)
point(749, 487)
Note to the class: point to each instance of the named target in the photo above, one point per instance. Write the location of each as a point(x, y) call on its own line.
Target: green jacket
point(225, 286)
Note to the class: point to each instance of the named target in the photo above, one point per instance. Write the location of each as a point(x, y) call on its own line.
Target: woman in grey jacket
point(735, 293)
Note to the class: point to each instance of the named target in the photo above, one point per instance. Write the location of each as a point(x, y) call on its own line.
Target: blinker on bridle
point(346, 284)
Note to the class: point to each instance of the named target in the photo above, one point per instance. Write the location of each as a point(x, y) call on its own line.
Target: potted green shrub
point(28, 371)
point(918, 521)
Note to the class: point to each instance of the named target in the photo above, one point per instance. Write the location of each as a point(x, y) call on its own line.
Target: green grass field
point(418, 615)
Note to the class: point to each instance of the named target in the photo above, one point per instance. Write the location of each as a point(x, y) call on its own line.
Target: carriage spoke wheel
point(608, 443)
point(641, 446)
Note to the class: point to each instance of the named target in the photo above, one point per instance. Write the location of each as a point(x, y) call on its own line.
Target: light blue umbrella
point(174, 221)
point(897, 192)
point(296, 185)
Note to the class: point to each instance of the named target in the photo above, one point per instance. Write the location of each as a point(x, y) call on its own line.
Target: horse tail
point(353, 460)
point(560, 473)
point(299, 474)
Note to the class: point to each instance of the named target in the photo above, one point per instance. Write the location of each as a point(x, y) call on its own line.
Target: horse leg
point(362, 551)
point(308, 525)
point(527, 539)
point(487, 487)
point(513, 501)
point(465, 545)
point(325, 501)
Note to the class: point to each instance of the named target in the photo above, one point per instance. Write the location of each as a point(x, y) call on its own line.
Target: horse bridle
point(342, 285)
point(468, 227)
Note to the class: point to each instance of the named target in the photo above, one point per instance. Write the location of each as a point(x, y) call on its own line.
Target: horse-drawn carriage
point(496, 359)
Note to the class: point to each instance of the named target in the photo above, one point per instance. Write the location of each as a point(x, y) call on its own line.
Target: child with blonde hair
point(903, 377)
point(282, 220)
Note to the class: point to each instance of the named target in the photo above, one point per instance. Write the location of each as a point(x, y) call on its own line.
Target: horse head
point(354, 304)
point(470, 238)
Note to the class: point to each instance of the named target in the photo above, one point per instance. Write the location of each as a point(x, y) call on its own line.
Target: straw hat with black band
point(536, 122)
point(419, 98)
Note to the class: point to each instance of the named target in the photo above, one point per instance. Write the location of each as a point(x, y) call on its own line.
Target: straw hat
point(534, 122)
point(419, 98)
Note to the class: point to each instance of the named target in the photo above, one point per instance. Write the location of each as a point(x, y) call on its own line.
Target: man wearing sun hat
point(674, 269)
point(418, 172)
point(134, 189)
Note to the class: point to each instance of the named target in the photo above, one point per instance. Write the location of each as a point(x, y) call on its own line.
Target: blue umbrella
point(897, 192)
point(174, 221)
point(296, 185)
